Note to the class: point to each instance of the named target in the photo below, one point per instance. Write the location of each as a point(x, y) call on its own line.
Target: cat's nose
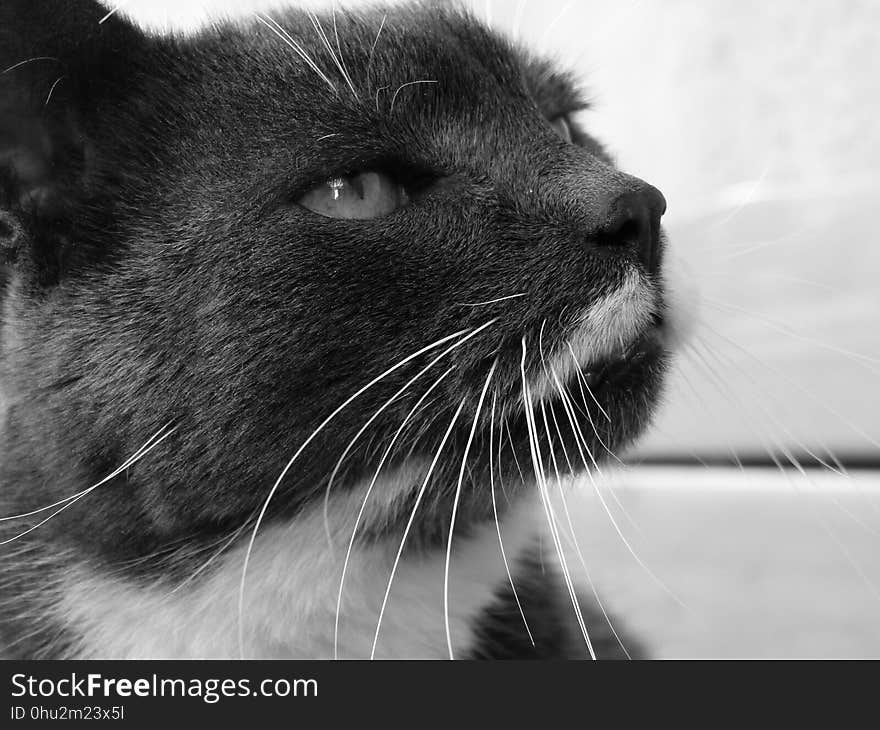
point(633, 221)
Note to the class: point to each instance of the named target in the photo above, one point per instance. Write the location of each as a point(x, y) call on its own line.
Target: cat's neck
point(292, 588)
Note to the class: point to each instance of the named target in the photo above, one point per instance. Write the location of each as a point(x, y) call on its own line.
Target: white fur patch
point(291, 593)
point(605, 329)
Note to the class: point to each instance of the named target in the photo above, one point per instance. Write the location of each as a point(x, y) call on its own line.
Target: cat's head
point(240, 234)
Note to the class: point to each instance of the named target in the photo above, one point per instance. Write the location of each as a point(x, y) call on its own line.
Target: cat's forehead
point(378, 55)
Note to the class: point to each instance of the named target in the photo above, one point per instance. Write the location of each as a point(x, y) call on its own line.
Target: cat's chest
point(291, 605)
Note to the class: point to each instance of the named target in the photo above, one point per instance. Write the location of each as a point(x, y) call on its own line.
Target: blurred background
point(748, 522)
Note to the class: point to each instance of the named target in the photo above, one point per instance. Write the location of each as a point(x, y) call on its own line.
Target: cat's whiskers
point(572, 533)
point(337, 59)
point(776, 371)
point(115, 9)
point(177, 550)
point(363, 507)
point(492, 301)
point(837, 469)
point(52, 90)
point(582, 379)
point(467, 450)
point(70, 501)
point(29, 60)
point(797, 442)
point(373, 53)
point(502, 419)
point(522, 475)
point(722, 387)
point(296, 455)
point(820, 520)
point(279, 31)
point(701, 402)
point(551, 373)
point(864, 360)
point(581, 443)
point(344, 69)
point(495, 515)
point(227, 543)
point(538, 467)
point(403, 86)
point(378, 91)
point(809, 394)
point(621, 464)
point(796, 235)
point(148, 445)
point(852, 356)
point(410, 522)
point(392, 399)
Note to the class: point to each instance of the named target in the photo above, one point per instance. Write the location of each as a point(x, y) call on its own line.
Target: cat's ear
point(65, 65)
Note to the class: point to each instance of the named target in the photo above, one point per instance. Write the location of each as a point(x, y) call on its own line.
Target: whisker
point(319, 29)
point(766, 412)
point(52, 90)
point(30, 60)
point(409, 524)
point(818, 517)
point(573, 534)
point(112, 12)
point(344, 69)
point(495, 514)
point(522, 475)
point(537, 464)
point(276, 28)
point(296, 455)
point(363, 507)
point(406, 386)
point(586, 412)
point(403, 86)
point(721, 386)
point(856, 357)
point(149, 444)
point(748, 198)
point(582, 379)
point(73, 500)
point(373, 48)
point(581, 441)
point(222, 549)
point(467, 450)
point(492, 301)
point(776, 371)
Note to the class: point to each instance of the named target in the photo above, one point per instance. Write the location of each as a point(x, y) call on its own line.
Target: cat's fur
point(160, 275)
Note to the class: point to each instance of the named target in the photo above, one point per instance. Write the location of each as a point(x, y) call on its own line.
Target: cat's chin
point(651, 346)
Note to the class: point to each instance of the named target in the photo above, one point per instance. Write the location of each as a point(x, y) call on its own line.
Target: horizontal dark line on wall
point(805, 461)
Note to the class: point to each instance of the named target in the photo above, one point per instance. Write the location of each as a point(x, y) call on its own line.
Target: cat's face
point(220, 236)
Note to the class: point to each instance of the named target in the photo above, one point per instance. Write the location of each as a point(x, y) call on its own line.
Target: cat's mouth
point(605, 372)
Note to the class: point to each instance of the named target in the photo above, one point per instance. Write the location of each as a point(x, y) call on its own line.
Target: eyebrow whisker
point(403, 86)
point(491, 301)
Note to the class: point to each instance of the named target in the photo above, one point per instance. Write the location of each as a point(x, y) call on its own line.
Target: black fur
point(160, 272)
point(553, 631)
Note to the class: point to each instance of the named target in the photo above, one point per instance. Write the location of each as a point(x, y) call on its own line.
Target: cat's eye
point(360, 196)
point(561, 127)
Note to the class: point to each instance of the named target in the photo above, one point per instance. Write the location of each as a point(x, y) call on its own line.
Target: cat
point(303, 316)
